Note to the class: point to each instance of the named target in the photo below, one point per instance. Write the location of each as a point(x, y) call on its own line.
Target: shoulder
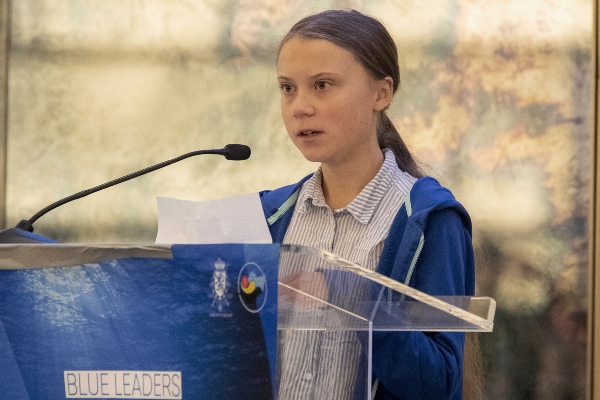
point(272, 200)
point(427, 192)
point(278, 207)
point(428, 198)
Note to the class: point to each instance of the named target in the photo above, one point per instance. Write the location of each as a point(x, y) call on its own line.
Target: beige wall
point(497, 102)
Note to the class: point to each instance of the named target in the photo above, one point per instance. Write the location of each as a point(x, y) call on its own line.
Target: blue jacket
point(429, 248)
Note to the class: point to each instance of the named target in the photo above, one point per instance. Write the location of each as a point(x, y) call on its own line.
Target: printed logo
point(252, 287)
point(220, 286)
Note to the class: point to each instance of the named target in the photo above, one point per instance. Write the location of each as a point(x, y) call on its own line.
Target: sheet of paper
point(238, 219)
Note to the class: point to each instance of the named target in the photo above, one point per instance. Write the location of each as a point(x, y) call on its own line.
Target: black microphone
point(235, 152)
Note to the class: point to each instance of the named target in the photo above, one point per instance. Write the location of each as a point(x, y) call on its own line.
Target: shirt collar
point(363, 206)
point(312, 192)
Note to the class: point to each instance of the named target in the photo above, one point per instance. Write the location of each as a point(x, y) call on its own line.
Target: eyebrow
point(312, 77)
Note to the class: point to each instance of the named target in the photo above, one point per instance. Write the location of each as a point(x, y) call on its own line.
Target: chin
point(312, 156)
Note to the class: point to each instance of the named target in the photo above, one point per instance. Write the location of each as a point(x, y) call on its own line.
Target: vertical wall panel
point(593, 347)
point(4, 53)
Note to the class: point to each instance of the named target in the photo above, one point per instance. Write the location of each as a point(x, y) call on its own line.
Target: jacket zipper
point(411, 270)
point(374, 389)
point(284, 207)
point(413, 263)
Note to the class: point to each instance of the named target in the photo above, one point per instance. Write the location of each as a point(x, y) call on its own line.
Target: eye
point(321, 85)
point(286, 88)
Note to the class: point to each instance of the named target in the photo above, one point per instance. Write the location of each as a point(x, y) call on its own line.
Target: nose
point(303, 105)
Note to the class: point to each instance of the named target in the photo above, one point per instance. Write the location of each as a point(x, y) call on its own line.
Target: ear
point(385, 93)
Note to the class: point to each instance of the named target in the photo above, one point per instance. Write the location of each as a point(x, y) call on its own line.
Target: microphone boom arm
point(230, 149)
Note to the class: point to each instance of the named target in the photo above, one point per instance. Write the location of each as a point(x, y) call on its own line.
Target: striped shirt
point(323, 364)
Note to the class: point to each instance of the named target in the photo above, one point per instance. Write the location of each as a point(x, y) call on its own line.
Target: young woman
point(368, 203)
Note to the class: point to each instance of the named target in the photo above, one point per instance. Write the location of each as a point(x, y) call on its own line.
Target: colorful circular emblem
point(252, 287)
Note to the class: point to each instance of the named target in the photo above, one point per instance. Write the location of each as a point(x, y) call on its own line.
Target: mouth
point(308, 132)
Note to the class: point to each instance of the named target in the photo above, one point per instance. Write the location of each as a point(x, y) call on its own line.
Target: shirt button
point(308, 376)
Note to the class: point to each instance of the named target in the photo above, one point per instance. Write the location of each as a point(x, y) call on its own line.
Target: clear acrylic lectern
point(329, 308)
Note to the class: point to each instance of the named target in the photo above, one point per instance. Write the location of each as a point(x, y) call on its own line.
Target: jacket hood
point(436, 198)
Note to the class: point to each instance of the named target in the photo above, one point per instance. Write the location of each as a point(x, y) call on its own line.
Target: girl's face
point(329, 102)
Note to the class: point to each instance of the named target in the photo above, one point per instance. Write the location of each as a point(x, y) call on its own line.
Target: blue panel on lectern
point(199, 326)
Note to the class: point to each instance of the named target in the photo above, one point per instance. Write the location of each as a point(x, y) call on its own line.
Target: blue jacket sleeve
point(428, 365)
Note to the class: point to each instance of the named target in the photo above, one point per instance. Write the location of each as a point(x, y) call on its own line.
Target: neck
point(342, 183)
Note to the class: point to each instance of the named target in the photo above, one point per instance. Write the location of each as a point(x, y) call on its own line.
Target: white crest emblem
point(220, 286)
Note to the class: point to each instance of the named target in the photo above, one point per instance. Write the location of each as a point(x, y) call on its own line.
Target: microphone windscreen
point(237, 152)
